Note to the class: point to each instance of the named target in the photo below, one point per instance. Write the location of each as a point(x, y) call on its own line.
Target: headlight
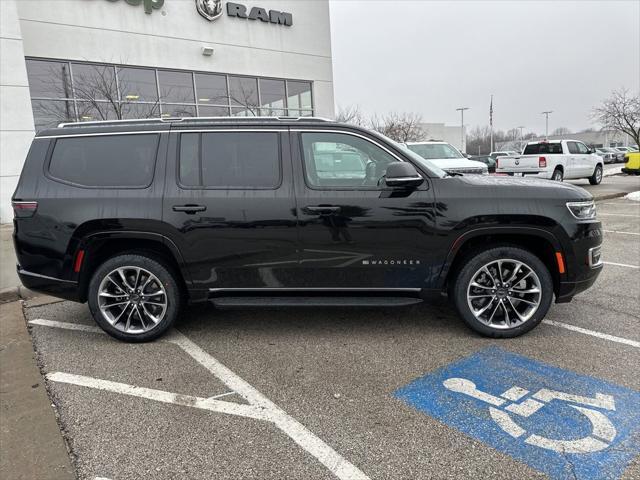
point(582, 210)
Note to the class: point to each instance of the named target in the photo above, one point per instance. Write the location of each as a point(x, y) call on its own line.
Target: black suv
point(140, 217)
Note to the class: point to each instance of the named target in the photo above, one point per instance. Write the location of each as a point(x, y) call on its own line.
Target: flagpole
point(491, 122)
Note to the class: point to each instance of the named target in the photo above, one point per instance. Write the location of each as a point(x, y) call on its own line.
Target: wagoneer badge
point(209, 9)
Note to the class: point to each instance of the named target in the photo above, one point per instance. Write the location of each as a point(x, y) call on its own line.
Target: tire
point(596, 178)
point(520, 315)
point(558, 175)
point(125, 314)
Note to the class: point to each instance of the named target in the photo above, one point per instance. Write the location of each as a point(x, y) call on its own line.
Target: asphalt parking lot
point(357, 393)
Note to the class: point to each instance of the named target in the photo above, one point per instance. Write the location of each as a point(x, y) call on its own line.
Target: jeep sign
point(212, 10)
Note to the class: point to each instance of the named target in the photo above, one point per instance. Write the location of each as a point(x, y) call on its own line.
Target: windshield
point(433, 151)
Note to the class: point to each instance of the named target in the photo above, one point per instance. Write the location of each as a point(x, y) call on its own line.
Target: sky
point(431, 57)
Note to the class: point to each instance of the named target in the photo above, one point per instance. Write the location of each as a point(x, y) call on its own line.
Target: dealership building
point(87, 60)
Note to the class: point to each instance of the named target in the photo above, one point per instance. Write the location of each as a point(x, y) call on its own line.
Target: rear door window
point(114, 161)
point(239, 160)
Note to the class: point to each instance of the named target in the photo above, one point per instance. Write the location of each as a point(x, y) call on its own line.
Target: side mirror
point(402, 174)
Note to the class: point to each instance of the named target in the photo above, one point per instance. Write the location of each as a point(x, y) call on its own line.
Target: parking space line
point(260, 407)
point(593, 333)
point(621, 265)
point(159, 395)
point(66, 325)
point(326, 455)
point(617, 215)
point(618, 231)
point(221, 395)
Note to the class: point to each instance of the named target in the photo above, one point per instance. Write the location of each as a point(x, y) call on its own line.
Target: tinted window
point(107, 161)
point(573, 147)
point(212, 89)
point(299, 95)
point(137, 85)
point(176, 87)
point(230, 160)
point(243, 91)
point(49, 79)
point(272, 96)
point(537, 148)
point(340, 160)
point(94, 82)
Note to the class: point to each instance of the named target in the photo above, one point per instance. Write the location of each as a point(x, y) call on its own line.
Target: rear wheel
point(134, 297)
point(503, 292)
point(557, 175)
point(596, 178)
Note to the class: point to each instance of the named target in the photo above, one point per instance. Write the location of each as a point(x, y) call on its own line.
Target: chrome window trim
point(103, 134)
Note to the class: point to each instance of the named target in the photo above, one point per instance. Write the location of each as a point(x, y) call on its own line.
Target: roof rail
point(183, 119)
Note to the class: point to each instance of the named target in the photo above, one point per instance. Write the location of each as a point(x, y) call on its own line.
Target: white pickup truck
point(555, 160)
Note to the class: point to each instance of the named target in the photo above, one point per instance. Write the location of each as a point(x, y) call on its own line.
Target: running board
point(264, 301)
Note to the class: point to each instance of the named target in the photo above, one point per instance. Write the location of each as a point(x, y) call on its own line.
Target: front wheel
point(134, 298)
point(503, 292)
point(596, 178)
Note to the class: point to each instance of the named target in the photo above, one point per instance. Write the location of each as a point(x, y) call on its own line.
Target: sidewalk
point(31, 443)
point(8, 275)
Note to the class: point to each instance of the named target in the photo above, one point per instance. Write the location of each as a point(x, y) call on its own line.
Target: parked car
point(620, 152)
point(632, 164)
point(447, 157)
point(608, 156)
point(137, 218)
point(504, 153)
point(487, 160)
point(555, 160)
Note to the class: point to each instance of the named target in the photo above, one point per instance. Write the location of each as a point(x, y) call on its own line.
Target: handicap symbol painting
point(566, 425)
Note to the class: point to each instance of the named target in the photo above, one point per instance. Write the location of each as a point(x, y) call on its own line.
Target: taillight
point(24, 209)
point(542, 162)
point(497, 163)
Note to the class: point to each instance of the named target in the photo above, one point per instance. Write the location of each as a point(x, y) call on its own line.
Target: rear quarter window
point(114, 161)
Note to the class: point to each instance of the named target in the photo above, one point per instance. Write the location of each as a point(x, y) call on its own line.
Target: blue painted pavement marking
point(556, 421)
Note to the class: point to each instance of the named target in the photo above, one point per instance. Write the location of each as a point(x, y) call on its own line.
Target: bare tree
point(561, 131)
point(351, 115)
point(620, 112)
point(401, 127)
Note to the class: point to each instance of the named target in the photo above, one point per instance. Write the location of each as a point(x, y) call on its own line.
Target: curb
point(16, 293)
point(609, 196)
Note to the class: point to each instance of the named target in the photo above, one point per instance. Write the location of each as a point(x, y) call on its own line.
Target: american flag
point(491, 112)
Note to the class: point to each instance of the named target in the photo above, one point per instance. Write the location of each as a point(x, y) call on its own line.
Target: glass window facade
point(81, 91)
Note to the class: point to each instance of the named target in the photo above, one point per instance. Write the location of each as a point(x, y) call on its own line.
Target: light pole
point(546, 130)
point(461, 110)
point(520, 128)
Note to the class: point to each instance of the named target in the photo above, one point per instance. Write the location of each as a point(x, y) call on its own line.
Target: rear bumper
point(55, 287)
point(537, 174)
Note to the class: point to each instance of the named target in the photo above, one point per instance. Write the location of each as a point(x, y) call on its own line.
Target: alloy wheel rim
point(132, 299)
point(599, 175)
point(504, 294)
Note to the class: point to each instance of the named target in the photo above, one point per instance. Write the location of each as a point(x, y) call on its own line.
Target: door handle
point(323, 209)
point(189, 209)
